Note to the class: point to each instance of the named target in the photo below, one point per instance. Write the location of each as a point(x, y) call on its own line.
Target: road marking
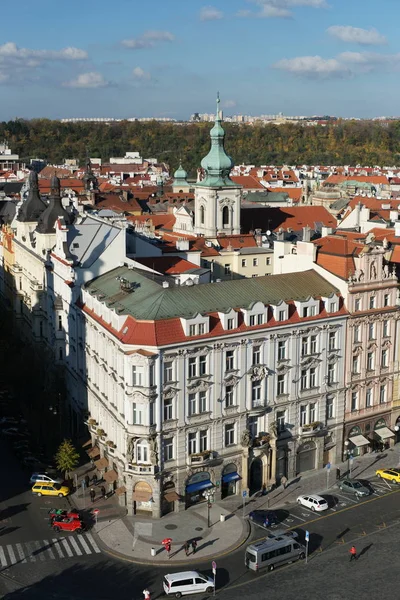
point(57, 547)
point(348, 499)
point(39, 551)
point(85, 546)
point(67, 548)
point(3, 559)
point(381, 526)
point(75, 546)
point(11, 554)
point(48, 548)
point(31, 550)
point(91, 540)
point(20, 552)
point(296, 517)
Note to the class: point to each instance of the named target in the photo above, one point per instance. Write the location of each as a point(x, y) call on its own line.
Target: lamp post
point(209, 496)
point(349, 454)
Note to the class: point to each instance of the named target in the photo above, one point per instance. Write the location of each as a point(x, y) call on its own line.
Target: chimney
point(306, 234)
point(326, 231)
point(394, 215)
point(280, 236)
point(397, 229)
point(165, 284)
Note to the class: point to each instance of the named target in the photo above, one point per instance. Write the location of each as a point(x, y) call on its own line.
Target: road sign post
point(214, 570)
point(351, 458)
point(328, 470)
point(83, 486)
point(307, 540)
point(96, 512)
point(244, 494)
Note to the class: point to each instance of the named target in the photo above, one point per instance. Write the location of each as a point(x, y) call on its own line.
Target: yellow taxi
point(45, 488)
point(389, 474)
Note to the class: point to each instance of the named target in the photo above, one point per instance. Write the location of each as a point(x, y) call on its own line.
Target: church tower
point(217, 198)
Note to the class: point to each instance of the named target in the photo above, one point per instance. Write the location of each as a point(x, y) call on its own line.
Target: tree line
point(339, 143)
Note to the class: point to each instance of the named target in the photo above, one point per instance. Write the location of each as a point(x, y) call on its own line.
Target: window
point(192, 330)
point(384, 358)
point(255, 393)
point(137, 414)
point(334, 307)
point(252, 320)
point(313, 379)
point(192, 404)
point(268, 260)
point(229, 396)
point(202, 365)
point(137, 376)
point(386, 300)
point(260, 319)
point(225, 216)
point(356, 333)
point(372, 301)
point(227, 269)
point(229, 360)
point(152, 406)
point(354, 401)
point(313, 412)
point(202, 211)
point(370, 361)
point(385, 328)
point(203, 440)
point(280, 421)
point(371, 331)
point(168, 372)
point(168, 409)
point(256, 355)
point(303, 415)
point(229, 435)
point(282, 315)
point(255, 262)
point(332, 340)
point(192, 367)
point(201, 329)
point(382, 394)
point(304, 346)
point(60, 323)
point(202, 402)
point(142, 452)
point(281, 350)
point(280, 385)
point(356, 365)
point(357, 304)
point(368, 398)
point(313, 344)
point(330, 407)
point(308, 311)
point(197, 403)
point(60, 354)
point(244, 262)
point(303, 379)
point(252, 425)
point(152, 375)
point(230, 324)
point(192, 443)
point(331, 376)
point(168, 449)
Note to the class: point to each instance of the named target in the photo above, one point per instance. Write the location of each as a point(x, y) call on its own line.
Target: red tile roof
point(336, 253)
point(372, 179)
point(248, 182)
point(168, 265)
point(294, 217)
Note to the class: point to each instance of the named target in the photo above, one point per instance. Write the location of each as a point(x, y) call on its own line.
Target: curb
point(199, 561)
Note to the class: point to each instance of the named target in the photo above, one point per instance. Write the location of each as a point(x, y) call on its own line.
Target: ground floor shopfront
point(371, 434)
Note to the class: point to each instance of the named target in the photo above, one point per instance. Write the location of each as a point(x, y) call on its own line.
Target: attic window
point(125, 330)
point(75, 245)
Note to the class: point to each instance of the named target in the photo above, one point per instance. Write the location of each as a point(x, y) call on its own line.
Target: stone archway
point(306, 457)
point(256, 476)
point(142, 498)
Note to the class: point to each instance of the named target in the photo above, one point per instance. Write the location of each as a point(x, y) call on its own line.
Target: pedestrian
point(266, 522)
point(94, 479)
point(103, 492)
point(284, 482)
point(194, 546)
point(186, 548)
point(87, 481)
point(353, 553)
point(168, 549)
point(146, 594)
point(92, 494)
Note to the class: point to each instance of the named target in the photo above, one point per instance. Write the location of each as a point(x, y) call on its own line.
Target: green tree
point(67, 457)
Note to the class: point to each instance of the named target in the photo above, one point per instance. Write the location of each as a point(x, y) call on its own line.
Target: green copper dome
point(180, 174)
point(217, 164)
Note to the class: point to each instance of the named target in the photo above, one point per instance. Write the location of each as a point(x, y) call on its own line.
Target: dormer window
point(307, 308)
point(331, 303)
point(198, 325)
point(254, 315)
point(280, 311)
point(228, 320)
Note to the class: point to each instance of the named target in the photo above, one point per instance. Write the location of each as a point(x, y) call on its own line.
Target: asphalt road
point(46, 567)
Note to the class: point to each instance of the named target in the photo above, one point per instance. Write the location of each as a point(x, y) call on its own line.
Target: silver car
point(354, 486)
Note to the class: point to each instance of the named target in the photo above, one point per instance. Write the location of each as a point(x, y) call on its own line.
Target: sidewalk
point(136, 538)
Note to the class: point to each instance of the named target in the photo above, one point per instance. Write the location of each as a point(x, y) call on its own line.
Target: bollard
point(153, 551)
point(222, 518)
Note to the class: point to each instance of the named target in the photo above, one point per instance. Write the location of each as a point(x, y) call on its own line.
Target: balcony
point(311, 429)
point(140, 430)
point(141, 469)
point(199, 417)
point(257, 407)
point(370, 410)
point(200, 458)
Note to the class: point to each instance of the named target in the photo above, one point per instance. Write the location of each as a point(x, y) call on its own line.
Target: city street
point(40, 564)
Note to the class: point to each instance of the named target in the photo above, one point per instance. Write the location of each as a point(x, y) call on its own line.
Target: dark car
point(265, 518)
point(354, 486)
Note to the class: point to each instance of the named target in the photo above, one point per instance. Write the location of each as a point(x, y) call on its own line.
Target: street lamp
point(349, 454)
point(209, 496)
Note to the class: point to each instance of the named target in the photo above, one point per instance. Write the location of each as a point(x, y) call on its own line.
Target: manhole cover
point(198, 529)
point(171, 526)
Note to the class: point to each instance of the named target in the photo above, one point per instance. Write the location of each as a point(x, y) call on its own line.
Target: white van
point(187, 582)
point(271, 553)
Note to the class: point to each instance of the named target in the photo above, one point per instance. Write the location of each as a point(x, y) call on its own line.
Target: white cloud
point(140, 73)
point(356, 35)
point(209, 13)
point(11, 52)
point(365, 62)
point(279, 8)
point(148, 39)
point(87, 80)
point(313, 67)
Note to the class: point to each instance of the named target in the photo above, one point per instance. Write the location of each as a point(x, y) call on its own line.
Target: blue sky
point(130, 58)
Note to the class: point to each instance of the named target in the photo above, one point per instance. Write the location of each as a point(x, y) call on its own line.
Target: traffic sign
point(244, 493)
point(307, 536)
point(96, 511)
point(214, 564)
point(328, 466)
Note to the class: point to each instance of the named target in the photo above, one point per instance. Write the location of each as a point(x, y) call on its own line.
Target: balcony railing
point(141, 469)
point(200, 458)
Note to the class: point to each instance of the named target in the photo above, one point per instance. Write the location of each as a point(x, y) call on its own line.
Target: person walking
point(146, 594)
point(87, 481)
point(284, 482)
point(168, 549)
point(103, 492)
point(92, 494)
point(194, 546)
point(94, 479)
point(353, 553)
point(186, 547)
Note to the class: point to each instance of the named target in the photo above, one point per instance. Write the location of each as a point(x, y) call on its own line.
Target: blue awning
point(230, 477)
point(196, 487)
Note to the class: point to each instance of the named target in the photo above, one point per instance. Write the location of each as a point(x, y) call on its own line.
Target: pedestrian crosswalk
point(51, 549)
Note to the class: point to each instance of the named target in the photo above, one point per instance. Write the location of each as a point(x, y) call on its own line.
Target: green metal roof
point(149, 300)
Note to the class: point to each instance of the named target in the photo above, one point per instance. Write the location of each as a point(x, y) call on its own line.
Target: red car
point(67, 524)
point(58, 512)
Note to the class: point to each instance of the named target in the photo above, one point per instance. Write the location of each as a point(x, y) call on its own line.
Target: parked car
point(187, 582)
point(60, 523)
point(389, 474)
point(265, 518)
point(354, 486)
point(50, 489)
point(313, 502)
point(45, 478)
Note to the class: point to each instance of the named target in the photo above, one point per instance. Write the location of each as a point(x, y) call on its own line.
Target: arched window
point(225, 216)
point(202, 215)
point(142, 451)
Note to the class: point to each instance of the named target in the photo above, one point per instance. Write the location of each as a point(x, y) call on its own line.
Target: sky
point(168, 58)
